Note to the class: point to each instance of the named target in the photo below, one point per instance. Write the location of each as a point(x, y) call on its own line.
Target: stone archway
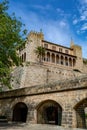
point(20, 112)
point(80, 114)
point(49, 112)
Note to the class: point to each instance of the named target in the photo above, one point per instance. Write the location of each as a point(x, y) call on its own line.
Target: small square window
point(45, 45)
point(53, 48)
point(66, 51)
point(60, 49)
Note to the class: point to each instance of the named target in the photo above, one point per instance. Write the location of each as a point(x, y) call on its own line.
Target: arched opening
point(53, 58)
point(74, 62)
point(24, 56)
point(81, 114)
point(49, 112)
point(62, 60)
point(57, 59)
point(70, 62)
point(48, 56)
point(66, 61)
point(20, 112)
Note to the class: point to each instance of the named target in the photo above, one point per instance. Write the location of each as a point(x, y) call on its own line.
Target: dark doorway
point(81, 114)
point(20, 112)
point(52, 115)
point(49, 112)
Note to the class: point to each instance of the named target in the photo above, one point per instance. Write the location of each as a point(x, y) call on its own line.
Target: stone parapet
point(59, 86)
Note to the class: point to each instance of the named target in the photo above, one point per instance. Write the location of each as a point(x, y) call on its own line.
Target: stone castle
point(53, 91)
point(59, 62)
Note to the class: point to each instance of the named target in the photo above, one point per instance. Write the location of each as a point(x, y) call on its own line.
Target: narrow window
point(66, 51)
point(60, 50)
point(54, 48)
point(25, 56)
point(46, 45)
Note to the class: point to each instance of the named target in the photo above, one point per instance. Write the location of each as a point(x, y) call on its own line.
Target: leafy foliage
point(85, 61)
point(40, 52)
point(12, 36)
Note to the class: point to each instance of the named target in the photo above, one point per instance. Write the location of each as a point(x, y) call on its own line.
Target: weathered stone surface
point(67, 94)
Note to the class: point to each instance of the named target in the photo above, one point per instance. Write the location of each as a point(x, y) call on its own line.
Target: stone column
point(32, 113)
point(67, 116)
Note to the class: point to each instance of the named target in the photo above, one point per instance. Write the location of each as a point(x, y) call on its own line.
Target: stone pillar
point(31, 114)
point(67, 116)
point(8, 112)
point(10, 115)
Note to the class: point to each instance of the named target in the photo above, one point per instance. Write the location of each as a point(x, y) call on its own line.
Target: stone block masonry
point(67, 97)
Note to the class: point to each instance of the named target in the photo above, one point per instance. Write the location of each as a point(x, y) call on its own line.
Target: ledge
point(59, 86)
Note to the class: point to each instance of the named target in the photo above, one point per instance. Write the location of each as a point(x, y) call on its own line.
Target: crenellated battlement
point(35, 34)
point(55, 54)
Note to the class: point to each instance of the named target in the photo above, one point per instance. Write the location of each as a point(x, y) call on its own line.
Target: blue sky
point(59, 19)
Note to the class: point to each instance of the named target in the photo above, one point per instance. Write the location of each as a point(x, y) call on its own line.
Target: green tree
point(12, 37)
point(40, 52)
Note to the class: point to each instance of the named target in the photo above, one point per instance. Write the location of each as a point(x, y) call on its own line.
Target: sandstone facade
point(53, 91)
point(68, 97)
point(59, 62)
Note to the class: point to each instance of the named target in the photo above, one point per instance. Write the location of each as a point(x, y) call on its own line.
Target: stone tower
point(77, 51)
point(34, 39)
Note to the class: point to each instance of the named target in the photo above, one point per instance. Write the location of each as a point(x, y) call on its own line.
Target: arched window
point(25, 56)
point(48, 56)
point(57, 59)
point(22, 58)
point(74, 62)
point(53, 58)
point(70, 62)
point(62, 60)
point(66, 61)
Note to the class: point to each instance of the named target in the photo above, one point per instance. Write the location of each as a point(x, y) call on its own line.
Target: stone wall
point(37, 74)
point(68, 94)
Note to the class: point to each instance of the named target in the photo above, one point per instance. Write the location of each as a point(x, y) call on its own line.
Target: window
point(25, 56)
point(60, 49)
point(66, 51)
point(22, 58)
point(46, 45)
point(53, 48)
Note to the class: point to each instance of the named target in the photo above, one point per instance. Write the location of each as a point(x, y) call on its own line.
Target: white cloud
point(62, 23)
point(84, 27)
point(75, 21)
point(61, 12)
point(83, 1)
point(55, 31)
point(82, 18)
